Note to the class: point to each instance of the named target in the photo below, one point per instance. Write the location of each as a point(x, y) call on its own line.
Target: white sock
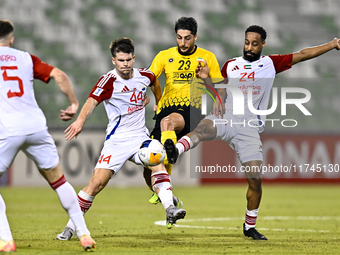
point(184, 144)
point(163, 183)
point(5, 231)
point(251, 217)
point(85, 202)
point(68, 199)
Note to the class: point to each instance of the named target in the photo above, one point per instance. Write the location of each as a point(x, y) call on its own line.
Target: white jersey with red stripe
point(123, 101)
point(258, 75)
point(19, 111)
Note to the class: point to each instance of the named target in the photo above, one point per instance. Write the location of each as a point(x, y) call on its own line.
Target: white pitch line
point(266, 218)
point(323, 218)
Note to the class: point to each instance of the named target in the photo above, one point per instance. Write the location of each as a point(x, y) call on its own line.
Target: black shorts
point(192, 116)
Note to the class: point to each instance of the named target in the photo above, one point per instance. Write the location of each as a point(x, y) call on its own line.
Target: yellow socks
point(164, 136)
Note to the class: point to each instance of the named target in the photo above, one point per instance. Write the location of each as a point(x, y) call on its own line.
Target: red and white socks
point(68, 199)
point(162, 186)
point(85, 202)
point(184, 144)
point(251, 217)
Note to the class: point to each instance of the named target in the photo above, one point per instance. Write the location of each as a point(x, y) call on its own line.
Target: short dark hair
point(6, 27)
point(259, 30)
point(186, 23)
point(124, 45)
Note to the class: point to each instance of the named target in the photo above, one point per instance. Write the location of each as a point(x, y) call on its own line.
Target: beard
point(188, 51)
point(253, 56)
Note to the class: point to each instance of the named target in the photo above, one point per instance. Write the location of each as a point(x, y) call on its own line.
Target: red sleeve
point(282, 62)
point(149, 74)
point(224, 70)
point(103, 89)
point(224, 67)
point(41, 70)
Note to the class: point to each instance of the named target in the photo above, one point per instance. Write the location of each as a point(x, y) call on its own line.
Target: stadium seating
point(75, 35)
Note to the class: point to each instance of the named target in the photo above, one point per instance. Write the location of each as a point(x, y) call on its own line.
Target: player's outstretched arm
point(316, 51)
point(202, 71)
point(76, 127)
point(65, 85)
point(157, 91)
point(219, 109)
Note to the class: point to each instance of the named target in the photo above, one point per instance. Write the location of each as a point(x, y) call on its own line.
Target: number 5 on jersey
point(12, 78)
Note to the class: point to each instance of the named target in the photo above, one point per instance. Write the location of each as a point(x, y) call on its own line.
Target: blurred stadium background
point(75, 35)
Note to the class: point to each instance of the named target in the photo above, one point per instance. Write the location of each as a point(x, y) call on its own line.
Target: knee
point(167, 124)
point(205, 131)
point(200, 130)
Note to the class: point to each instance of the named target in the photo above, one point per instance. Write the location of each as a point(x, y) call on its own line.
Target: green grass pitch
point(297, 219)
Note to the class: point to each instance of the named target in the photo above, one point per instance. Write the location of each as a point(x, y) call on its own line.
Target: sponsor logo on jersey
point(247, 66)
point(135, 108)
point(260, 64)
point(171, 60)
point(182, 77)
point(97, 92)
point(235, 68)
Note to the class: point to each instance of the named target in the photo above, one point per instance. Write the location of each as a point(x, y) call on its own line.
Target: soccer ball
point(151, 152)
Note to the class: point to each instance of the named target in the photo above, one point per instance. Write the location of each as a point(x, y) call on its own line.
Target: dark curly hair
point(186, 23)
point(259, 30)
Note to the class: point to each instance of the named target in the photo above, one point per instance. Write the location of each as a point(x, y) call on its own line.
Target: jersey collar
point(187, 54)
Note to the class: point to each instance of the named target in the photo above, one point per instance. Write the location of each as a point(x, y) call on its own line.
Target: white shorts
point(117, 151)
point(39, 147)
point(243, 139)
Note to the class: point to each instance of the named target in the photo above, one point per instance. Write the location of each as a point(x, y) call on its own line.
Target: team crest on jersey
point(143, 89)
point(171, 60)
point(97, 92)
point(260, 64)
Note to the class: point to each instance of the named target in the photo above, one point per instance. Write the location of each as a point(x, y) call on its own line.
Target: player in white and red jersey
point(122, 90)
point(248, 71)
point(23, 127)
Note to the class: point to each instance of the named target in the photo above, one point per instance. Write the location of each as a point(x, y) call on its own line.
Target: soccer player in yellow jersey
point(177, 113)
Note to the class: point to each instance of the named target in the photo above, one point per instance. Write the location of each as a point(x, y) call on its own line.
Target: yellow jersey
point(180, 70)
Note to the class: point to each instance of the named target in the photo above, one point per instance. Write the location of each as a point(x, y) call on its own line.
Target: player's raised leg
point(68, 200)
point(6, 239)
point(170, 126)
point(254, 194)
point(205, 131)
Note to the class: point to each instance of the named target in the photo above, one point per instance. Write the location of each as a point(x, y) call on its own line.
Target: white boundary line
point(319, 218)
